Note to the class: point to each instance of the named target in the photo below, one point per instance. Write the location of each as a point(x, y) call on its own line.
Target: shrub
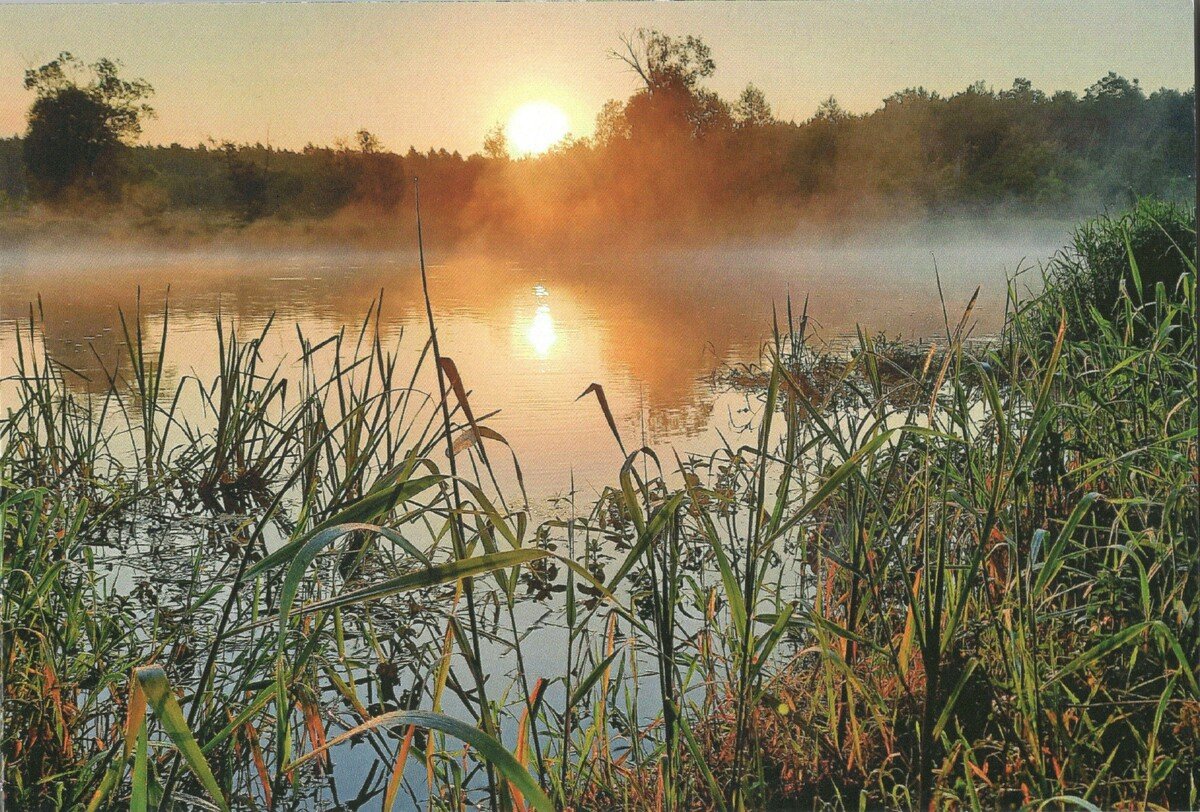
point(1092, 272)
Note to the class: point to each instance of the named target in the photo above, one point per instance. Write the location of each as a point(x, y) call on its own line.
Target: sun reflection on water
point(542, 336)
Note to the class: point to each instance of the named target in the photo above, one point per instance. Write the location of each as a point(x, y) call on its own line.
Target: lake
point(528, 333)
point(658, 330)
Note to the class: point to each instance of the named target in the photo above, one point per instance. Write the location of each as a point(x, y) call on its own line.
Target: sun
point(536, 126)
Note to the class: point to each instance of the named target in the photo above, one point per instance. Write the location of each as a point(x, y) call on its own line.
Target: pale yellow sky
point(441, 74)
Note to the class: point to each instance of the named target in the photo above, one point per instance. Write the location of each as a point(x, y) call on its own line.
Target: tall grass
point(953, 575)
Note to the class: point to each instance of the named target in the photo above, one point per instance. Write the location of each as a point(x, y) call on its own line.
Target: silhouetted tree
point(672, 104)
point(375, 175)
point(495, 143)
point(666, 62)
point(830, 110)
point(752, 109)
point(247, 184)
point(79, 123)
point(611, 124)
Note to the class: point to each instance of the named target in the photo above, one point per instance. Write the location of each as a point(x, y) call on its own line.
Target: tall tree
point(378, 174)
point(672, 103)
point(248, 182)
point(495, 143)
point(663, 61)
point(81, 120)
point(752, 108)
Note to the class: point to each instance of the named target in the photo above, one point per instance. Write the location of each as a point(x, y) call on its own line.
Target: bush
point(1093, 271)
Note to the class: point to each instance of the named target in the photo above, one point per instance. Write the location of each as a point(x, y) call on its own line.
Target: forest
point(672, 161)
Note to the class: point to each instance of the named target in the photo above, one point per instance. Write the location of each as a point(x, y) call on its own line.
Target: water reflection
point(653, 328)
point(541, 334)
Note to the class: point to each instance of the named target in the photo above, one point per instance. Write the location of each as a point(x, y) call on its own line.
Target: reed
point(962, 574)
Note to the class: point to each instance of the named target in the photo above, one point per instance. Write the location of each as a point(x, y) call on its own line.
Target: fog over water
point(530, 331)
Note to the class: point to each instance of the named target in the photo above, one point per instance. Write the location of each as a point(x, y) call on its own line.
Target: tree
point(1023, 90)
point(367, 142)
point(831, 110)
point(752, 109)
point(664, 61)
point(672, 104)
point(247, 183)
point(495, 143)
point(1114, 86)
point(611, 124)
point(378, 174)
point(80, 122)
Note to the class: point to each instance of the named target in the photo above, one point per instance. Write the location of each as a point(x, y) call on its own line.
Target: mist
point(674, 165)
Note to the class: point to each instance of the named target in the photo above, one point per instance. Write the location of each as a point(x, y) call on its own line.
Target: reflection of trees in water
point(666, 321)
point(686, 420)
point(646, 325)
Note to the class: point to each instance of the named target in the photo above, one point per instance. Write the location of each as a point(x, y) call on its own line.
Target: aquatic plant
point(980, 593)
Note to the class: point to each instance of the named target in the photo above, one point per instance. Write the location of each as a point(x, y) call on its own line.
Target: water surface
point(655, 328)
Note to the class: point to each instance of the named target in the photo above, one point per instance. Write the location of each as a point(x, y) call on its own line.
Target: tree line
point(674, 156)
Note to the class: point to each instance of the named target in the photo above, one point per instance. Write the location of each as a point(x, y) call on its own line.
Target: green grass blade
point(153, 681)
point(138, 798)
point(437, 575)
point(485, 745)
point(591, 679)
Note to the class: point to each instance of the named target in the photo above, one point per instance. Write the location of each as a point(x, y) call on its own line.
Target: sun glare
point(542, 335)
point(536, 126)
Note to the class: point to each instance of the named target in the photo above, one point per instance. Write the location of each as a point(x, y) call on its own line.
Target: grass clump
point(1133, 252)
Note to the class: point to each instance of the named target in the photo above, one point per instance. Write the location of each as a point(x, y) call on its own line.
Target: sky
point(441, 74)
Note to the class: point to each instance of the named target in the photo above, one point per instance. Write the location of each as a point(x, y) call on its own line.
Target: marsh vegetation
point(960, 574)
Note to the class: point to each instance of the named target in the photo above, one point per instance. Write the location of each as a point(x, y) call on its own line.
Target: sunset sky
point(442, 74)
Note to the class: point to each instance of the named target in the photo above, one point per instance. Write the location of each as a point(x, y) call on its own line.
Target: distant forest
point(672, 160)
